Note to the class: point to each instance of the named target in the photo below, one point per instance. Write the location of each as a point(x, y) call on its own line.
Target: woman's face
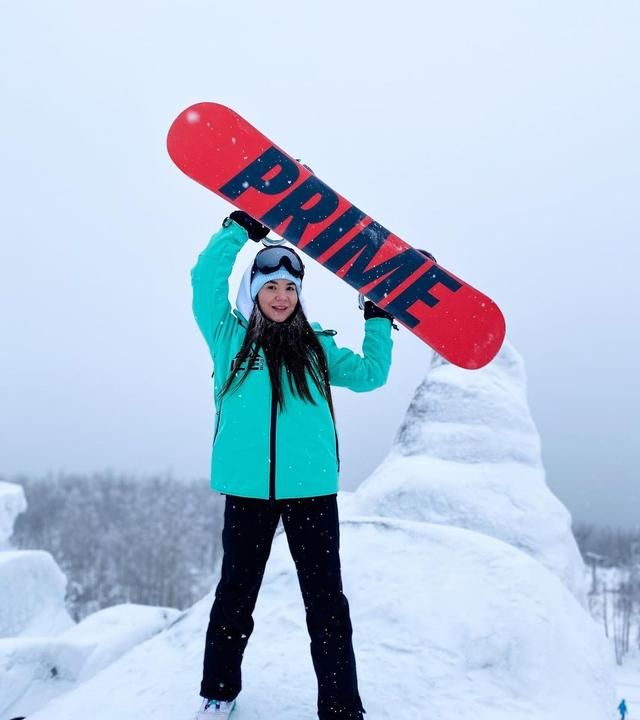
point(278, 299)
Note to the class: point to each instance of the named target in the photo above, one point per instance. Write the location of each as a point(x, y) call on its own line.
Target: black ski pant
point(313, 534)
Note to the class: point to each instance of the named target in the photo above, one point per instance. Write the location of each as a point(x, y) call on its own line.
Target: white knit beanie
point(260, 279)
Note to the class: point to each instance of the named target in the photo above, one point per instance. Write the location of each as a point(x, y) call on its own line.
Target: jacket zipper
point(272, 438)
point(272, 449)
point(215, 432)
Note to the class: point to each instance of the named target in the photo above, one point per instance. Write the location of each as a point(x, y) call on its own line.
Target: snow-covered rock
point(468, 455)
point(479, 416)
point(12, 503)
point(112, 631)
point(34, 670)
point(32, 591)
point(43, 653)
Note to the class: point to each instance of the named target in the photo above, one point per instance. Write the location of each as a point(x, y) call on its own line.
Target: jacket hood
point(244, 303)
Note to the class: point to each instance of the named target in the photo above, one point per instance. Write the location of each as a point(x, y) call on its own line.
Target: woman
point(275, 455)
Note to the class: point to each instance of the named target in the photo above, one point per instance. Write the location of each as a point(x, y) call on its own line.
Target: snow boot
point(215, 709)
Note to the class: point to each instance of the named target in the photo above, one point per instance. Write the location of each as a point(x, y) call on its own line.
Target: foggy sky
point(501, 136)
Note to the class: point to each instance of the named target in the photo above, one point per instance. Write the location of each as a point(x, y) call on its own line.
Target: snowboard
point(219, 149)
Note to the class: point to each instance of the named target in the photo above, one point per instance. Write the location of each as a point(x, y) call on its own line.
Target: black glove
point(257, 231)
point(371, 310)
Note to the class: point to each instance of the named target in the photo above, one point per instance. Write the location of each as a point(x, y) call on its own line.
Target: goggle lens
point(273, 258)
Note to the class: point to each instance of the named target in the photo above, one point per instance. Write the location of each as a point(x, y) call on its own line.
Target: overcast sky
point(502, 136)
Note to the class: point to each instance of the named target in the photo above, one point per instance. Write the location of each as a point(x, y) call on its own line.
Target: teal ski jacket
point(260, 451)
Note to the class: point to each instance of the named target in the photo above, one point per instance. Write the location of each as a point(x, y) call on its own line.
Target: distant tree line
point(613, 556)
point(613, 545)
point(153, 541)
point(156, 541)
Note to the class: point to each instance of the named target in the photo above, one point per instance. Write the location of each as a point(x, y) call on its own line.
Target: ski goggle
point(271, 259)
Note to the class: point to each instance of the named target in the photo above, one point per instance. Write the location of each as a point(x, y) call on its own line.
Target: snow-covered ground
point(447, 622)
point(465, 585)
point(628, 683)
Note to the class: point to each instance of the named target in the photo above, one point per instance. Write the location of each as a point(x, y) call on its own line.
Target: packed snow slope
point(447, 623)
point(462, 577)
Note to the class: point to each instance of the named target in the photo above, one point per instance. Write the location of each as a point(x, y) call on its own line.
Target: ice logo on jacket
point(257, 363)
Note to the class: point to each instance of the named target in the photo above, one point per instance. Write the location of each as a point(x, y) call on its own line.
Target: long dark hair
point(291, 345)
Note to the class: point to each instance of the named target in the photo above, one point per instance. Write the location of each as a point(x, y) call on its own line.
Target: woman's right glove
point(256, 230)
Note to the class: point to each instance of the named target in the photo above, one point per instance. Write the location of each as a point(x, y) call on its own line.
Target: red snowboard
point(216, 147)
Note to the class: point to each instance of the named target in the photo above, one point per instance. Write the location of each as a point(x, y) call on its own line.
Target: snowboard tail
point(220, 150)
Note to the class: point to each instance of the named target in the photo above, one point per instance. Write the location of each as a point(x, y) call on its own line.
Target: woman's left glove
point(255, 229)
point(371, 310)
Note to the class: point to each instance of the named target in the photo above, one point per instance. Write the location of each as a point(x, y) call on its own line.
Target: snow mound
point(42, 652)
point(32, 591)
point(468, 455)
point(109, 633)
point(447, 623)
point(12, 503)
point(33, 670)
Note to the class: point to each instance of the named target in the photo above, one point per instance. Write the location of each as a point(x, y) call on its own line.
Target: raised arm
point(362, 372)
point(210, 281)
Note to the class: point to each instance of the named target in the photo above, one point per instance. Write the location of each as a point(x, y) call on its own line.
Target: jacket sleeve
point(210, 282)
point(369, 370)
